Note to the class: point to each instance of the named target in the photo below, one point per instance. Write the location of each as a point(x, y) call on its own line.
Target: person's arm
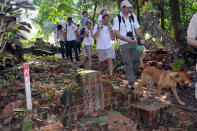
point(192, 42)
point(56, 38)
point(76, 33)
point(75, 29)
point(139, 33)
point(97, 30)
point(111, 31)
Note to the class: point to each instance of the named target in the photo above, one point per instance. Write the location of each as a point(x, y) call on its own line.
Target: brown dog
point(163, 78)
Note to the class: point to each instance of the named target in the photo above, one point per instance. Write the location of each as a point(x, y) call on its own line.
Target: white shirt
point(192, 29)
point(88, 39)
point(71, 32)
point(103, 38)
point(126, 27)
point(60, 35)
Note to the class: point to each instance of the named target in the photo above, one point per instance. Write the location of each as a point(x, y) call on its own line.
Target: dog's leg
point(159, 90)
point(144, 79)
point(176, 95)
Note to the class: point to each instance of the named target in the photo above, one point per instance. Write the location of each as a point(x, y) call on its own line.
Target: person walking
point(60, 37)
point(87, 42)
point(125, 25)
point(103, 34)
point(71, 32)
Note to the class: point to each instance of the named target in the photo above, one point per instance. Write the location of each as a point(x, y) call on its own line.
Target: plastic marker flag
point(27, 86)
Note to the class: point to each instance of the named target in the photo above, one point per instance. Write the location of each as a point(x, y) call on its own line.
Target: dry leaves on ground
point(121, 123)
point(8, 110)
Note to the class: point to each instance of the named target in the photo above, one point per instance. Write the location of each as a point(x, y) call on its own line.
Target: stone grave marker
point(93, 91)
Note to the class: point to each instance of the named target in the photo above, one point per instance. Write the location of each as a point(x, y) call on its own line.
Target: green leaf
point(15, 26)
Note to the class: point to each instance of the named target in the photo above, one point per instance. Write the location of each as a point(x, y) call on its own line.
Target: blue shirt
point(84, 20)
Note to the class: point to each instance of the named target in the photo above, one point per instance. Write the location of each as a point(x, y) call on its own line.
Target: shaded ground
point(49, 76)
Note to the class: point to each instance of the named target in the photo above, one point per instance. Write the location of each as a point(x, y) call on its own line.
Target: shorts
point(88, 50)
point(104, 54)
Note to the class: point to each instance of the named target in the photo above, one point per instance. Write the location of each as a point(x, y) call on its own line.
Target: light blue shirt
point(84, 20)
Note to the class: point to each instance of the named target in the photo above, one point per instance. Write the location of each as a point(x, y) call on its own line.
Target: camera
point(130, 34)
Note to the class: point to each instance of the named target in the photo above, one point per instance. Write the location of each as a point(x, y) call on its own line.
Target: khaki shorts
point(104, 54)
point(88, 50)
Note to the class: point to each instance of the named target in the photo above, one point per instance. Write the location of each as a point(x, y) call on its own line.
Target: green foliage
point(37, 104)
point(177, 64)
point(12, 30)
point(26, 43)
point(190, 61)
point(99, 121)
point(19, 114)
point(116, 45)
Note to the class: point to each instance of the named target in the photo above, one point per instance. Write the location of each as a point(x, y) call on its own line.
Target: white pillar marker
point(27, 86)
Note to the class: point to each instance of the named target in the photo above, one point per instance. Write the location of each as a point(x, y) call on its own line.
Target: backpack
point(82, 32)
point(130, 18)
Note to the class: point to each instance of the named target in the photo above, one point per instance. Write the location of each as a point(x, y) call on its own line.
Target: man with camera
point(125, 25)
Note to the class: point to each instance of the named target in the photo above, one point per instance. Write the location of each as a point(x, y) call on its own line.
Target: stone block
point(187, 124)
point(107, 83)
point(106, 90)
point(107, 107)
point(182, 116)
point(93, 91)
point(106, 101)
point(80, 114)
point(112, 100)
point(73, 109)
point(80, 107)
point(149, 114)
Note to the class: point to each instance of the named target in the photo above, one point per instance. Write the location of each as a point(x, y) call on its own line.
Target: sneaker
point(130, 87)
point(78, 59)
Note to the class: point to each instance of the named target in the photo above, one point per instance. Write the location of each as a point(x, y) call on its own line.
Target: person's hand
point(142, 41)
point(99, 28)
point(129, 40)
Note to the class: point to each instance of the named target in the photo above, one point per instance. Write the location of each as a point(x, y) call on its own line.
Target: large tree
point(176, 22)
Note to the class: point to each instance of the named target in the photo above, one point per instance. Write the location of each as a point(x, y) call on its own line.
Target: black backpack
point(130, 18)
point(82, 32)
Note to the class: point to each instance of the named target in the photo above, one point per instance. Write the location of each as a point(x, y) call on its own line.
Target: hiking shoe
point(130, 87)
point(78, 59)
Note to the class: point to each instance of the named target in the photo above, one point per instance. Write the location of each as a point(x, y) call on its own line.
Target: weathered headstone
point(93, 91)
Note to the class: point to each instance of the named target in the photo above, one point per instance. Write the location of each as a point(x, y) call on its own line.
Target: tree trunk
point(176, 22)
point(162, 14)
point(95, 7)
point(138, 11)
point(119, 2)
